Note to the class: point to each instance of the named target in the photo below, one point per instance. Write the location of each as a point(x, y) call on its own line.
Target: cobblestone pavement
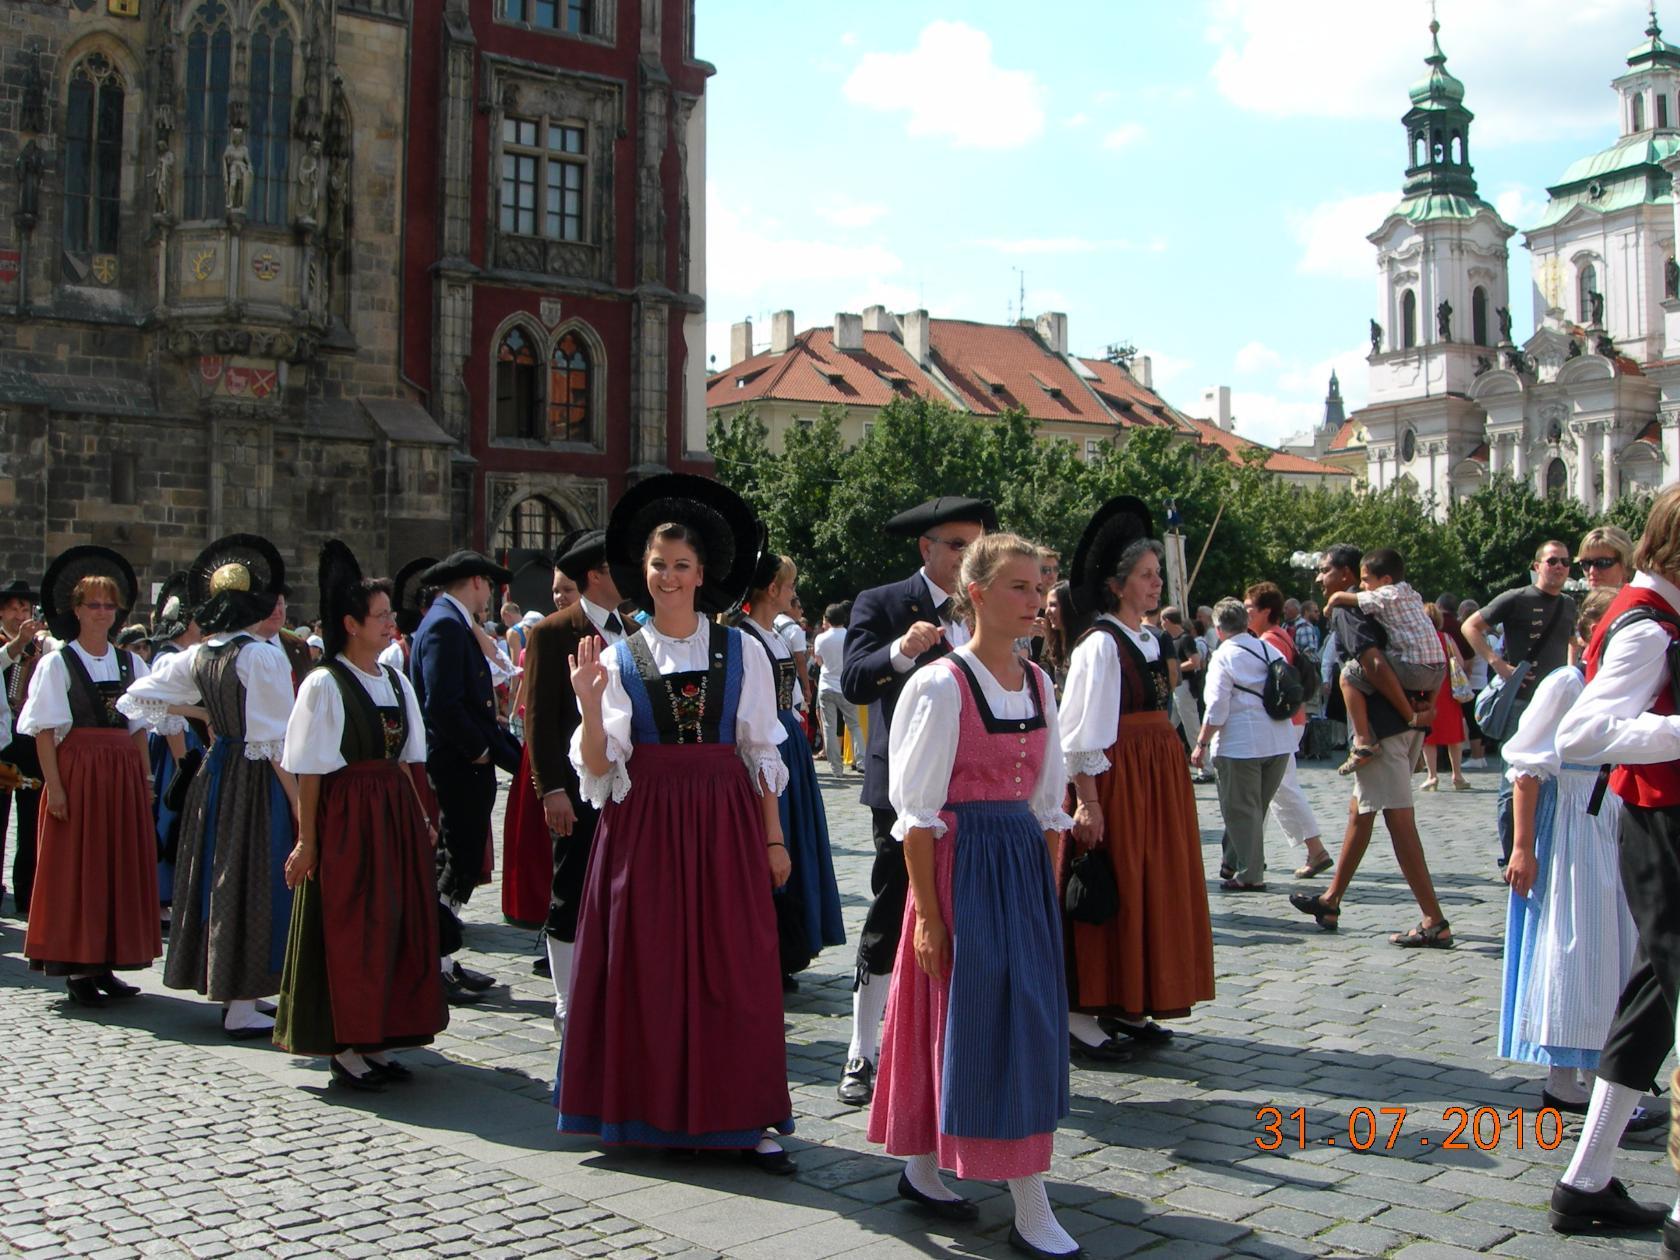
point(140, 1131)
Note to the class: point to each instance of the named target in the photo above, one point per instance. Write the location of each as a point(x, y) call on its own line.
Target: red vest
point(1656, 785)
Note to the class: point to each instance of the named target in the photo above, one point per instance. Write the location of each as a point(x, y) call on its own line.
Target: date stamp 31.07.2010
point(1481, 1128)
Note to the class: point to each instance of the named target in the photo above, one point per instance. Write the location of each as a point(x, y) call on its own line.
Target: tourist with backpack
point(1252, 696)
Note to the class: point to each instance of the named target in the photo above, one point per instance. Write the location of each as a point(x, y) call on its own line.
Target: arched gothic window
point(535, 524)
point(1586, 284)
point(1557, 479)
point(568, 391)
point(93, 126)
point(271, 113)
point(1479, 316)
point(209, 61)
point(1408, 320)
point(518, 387)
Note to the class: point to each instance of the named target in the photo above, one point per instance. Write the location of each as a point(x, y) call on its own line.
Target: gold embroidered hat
point(235, 582)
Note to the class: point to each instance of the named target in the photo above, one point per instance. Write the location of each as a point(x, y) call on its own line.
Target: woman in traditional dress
point(973, 1073)
point(361, 975)
point(1134, 800)
point(227, 938)
point(1569, 939)
point(94, 910)
point(674, 1032)
point(815, 896)
point(174, 631)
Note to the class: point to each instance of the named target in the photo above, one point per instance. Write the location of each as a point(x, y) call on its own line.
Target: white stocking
point(922, 1172)
point(244, 1014)
point(352, 1062)
point(560, 971)
point(1034, 1220)
point(1085, 1028)
point(1601, 1133)
point(1561, 1084)
point(869, 1004)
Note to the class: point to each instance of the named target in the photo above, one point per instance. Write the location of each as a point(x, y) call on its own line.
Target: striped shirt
point(1412, 637)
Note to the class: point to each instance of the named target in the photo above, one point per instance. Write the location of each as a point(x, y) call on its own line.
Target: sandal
point(1315, 868)
point(1430, 785)
point(1463, 785)
point(1433, 937)
point(1357, 756)
point(1237, 886)
point(1328, 917)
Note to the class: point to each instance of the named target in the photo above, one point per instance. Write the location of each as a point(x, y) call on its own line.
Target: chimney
point(781, 332)
point(848, 331)
point(916, 336)
point(878, 319)
point(740, 342)
point(1143, 371)
point(1216, 401)
point(1052, 330)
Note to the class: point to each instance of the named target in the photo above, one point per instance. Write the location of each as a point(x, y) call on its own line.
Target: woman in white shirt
point(1250, 748)
point(94, 909)
point(674, 1029)
point(227, 936)
point(361, 975)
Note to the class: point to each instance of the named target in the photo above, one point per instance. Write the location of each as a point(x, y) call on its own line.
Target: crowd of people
point(303, 815)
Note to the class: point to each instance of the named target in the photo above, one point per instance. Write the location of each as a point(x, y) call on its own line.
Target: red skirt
point(527, 852)
point(674, 1036)
point(1448, 727)
point(362, 954)
point(95, 902)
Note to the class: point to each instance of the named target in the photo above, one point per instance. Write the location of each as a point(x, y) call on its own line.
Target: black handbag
point(792, 935)
point(175, 795)
point(1092, 895)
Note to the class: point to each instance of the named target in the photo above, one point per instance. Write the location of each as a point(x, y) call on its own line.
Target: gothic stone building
point(554, 257)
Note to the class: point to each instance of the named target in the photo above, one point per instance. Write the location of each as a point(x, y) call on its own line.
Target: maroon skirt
point(362, 955)
point(674, 1036)
point(96, 906)
point(527, 852)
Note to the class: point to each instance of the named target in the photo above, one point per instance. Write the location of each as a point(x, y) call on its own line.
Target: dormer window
point(1639, 112)
point(989, 379)
point(1048, 386)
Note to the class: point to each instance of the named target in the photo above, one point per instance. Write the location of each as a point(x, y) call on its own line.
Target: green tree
point(1629, 512)
point(1499, 528)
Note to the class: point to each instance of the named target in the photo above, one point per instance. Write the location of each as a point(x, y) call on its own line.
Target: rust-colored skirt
point(95, 904)
point(1156, 956)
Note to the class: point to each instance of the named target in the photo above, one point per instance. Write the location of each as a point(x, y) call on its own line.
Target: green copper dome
point(1655, 50)
point(1437, 89)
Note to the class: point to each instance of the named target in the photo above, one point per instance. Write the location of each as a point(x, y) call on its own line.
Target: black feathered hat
point(1113, 527)
point(726, 525)
point(465, 564)
point(579, 552)
point(174, 611)
point(916, 521)
point(58, 586)
point(336, 574)
point(407, 588)
point(235, 582)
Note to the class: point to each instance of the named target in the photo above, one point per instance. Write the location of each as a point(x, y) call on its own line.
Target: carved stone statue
point(236, 172)
point(1504, 315)
point(163, 178)
point(1604, 346)
point(1574, 349)
point(30, 167)
point(338, 201)
point(309, 176)
point(1443, 320)
point(1596, 299)
point(1483, 364)
point(1376, 337)
point(1671, 279)
point(32, 108)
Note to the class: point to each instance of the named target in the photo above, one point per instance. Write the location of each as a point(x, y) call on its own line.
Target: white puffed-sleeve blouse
point(1532, 751)
point(1091, 696)
point(758, 729)
point(263, 669)
point(922, 745)
point(315, 733)
point(48, 705)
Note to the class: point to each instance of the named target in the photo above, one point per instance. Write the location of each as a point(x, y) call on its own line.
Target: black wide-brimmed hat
point(916, 521)
point(727, 526)
point(336, 574)
point(579, 552)
point(174, 611)
point(465, 564)
point(406, 590)
point(18, 589)
point(235, 582)
point(58, 586)
point(1113, 527)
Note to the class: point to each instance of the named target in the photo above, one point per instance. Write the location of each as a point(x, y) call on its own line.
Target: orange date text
point(1366, 1127)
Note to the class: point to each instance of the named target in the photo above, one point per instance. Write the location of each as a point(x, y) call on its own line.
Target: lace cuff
point(154, 713)
point(1537, 769)
point(1055, 820)
point(906, 822)
point(596, 789)
point(265, 750)
point(766, 762)
point(1091, 763)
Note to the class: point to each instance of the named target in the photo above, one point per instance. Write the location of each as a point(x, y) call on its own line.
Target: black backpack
point(1282, 693)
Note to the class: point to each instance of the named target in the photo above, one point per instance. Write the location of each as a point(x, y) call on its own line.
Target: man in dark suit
point(19, 633)
point(551, 715)
point(894, 630)
point(464, 740)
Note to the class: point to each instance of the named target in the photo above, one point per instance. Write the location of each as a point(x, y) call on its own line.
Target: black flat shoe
point(948, 1209)
point(1149, 1033)
point(367, 1083)
point(457, 993)
point(789, 985)
point(539, 967)
point(248, 1034)
point(390, 1071)
point(776, 1163)
point(857, 1083)
point(475, 981)
point(1593, 1212)
point(84, 991)
point(110, 986)
point(1111, 1051)
point(1549, 1099)
point(1027, 1249)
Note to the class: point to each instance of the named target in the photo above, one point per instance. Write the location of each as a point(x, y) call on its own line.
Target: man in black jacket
point(894, 630)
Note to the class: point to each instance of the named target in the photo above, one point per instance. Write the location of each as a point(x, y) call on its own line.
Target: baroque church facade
point(249, 248)
point(1588, 405)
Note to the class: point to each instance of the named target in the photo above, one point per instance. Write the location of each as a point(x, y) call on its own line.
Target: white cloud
point(1257, 357)
point(852, 215)
point(1123, 135)
point(1525, 78)
point(1268, 419)
point(1332, 236)
point(1076, 120)
point(953, 90)
point(1051, 245)
point(1519, 207)
point(849, 39)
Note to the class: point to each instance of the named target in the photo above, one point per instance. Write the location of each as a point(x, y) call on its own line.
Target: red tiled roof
point(1347, 437)
point(1130, 401)
point(994, 367)
point(1651, 433)
point(1210, 434)
point(1480, 453)
point(813, 371)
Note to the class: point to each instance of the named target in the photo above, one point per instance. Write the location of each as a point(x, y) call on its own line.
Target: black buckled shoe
point(475, 981)
point(857, 1083)
point(368, 1083)
point(1598, 1211)
point(110, 986)
point(391, 1071)
point(84, 991)
point(457, 993)
point(948, 1209)
point(1110, 1052)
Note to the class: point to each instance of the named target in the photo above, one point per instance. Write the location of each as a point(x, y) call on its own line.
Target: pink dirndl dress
point(974, 1068)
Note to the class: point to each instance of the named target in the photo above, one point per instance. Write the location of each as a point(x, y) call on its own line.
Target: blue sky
point(1196, 178)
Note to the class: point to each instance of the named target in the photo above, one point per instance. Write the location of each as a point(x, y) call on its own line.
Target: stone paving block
point(1442, 1227)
